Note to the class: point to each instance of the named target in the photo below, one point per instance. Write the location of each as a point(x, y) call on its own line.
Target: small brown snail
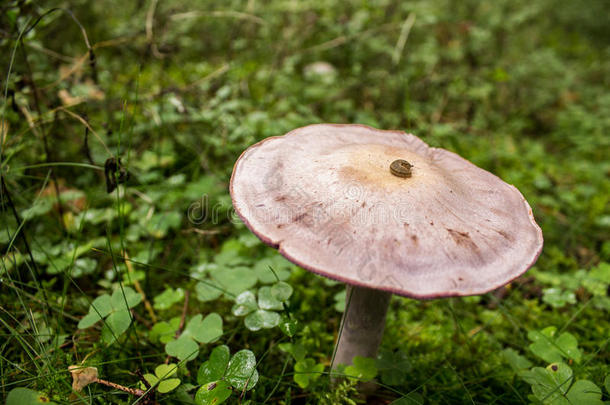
point(401, 168)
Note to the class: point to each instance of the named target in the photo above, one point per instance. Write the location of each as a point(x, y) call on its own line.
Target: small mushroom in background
point(386, 214)
point(320, 70)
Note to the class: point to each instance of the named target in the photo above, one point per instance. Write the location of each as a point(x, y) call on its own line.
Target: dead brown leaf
point(82, 376)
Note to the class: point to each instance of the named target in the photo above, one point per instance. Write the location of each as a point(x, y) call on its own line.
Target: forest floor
point(122, 257)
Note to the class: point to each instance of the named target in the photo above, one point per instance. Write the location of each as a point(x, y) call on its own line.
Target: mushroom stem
point(362, 324)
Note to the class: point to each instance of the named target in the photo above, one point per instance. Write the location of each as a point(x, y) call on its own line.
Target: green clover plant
point(222, 374)
point(197, 330)
point(306, 370)
point(114, 309)
point(162, 378)
point(260, 314)
point(555, 384)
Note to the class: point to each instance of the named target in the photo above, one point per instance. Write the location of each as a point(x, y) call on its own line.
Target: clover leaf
point(307, 370)
point(267, 300)
point(262, 319)
point(26, 396)
point(340, 301)
point(288, 326)
point(206, 291)
point(183, 348)
point(268, 268)
point(260, 313)
point(393, 367)
point(214, 368)
point(241, 371)
point(229, 275)
point(213, 393)
point(115, 310)
point(230, 254)
point(163, 331)
point(83, 266)
point(281, 291)
point(197, 330)
point(558, 298)
point(553, 385)
point(585, 392)
point(517, 362)
point(552, 348)
point(234, 280)
point(245, 303)
point(296, 350)
point(220, 375)
point(168, 298)
point(550, 383)
point(363, 369)
point(598, 279)
point(162, 375)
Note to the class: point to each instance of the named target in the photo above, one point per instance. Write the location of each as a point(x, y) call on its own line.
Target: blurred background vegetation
point(178, 89)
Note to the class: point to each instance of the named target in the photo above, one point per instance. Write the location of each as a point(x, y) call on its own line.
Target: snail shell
point(401, 168)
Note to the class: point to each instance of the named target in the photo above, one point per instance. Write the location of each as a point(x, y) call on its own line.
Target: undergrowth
point(127, 278)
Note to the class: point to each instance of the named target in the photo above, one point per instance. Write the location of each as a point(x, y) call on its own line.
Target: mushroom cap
point(325, 197)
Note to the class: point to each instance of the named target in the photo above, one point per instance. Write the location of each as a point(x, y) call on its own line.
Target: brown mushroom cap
point(324, 196)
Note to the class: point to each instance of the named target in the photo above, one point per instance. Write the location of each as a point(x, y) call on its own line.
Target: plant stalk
point(362, 324)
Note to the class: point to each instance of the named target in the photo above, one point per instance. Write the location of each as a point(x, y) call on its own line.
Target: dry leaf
point(82, 376)
point(94, 92)
point(67, 99)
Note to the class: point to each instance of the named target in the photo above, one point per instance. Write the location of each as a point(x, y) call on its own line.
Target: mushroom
point(386, 214)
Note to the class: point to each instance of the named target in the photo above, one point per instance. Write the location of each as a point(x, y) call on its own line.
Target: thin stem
point(362, 324)
point(133, 391)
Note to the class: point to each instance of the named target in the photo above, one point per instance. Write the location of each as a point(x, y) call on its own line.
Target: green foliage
point(234, 280)
point(393, 367)
point(177, 90)
point(553, 385)
point(261, 314)
point(167, 298)
point(594, 281)
point(214, 368)
point(114, 309)
point(363, 369)
point(340, 301)
point(270, 270)
point(26, 396)
point(241, 371)
point(160, 224)
point(296, 350)
point(345, 392)
point(306, 371)
point(517, 362)
point(213, 393)
point(207, 291)
point(551, 347)
point(163, 331)
point(162, 380)
point(288, 325)
point(558, 298)
point(197, 330)
point(221, 374)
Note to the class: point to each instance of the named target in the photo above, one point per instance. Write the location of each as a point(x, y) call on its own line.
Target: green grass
point(177, 90)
